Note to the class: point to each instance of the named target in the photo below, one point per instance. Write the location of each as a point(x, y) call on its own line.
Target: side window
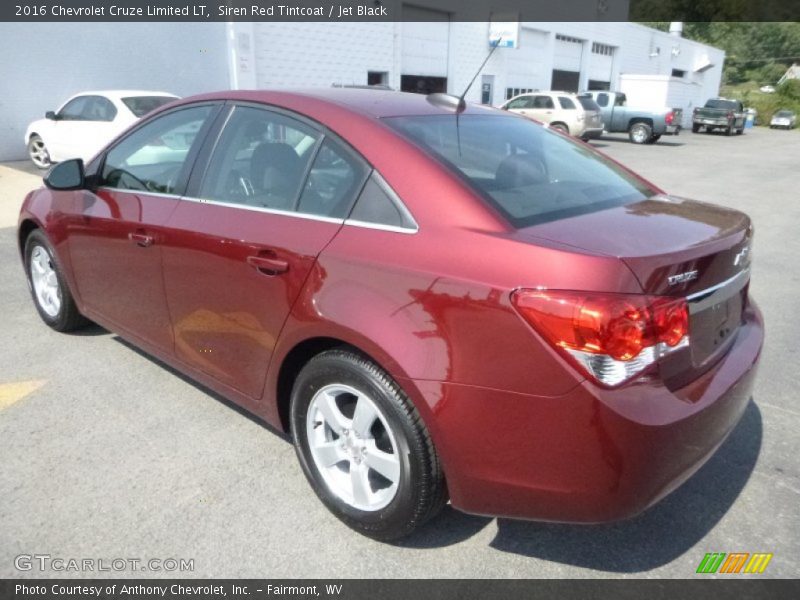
point(98, 108)
point(543, 102)
point(260, 160)
point(74, 109)
point(152, 157)
point(602, 99)
point(333, 182)
point(378, 204)
point(619, 100)
point(524, 102)
point(566, 103)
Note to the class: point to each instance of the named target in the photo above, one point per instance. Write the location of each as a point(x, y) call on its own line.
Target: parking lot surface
point(105, 453)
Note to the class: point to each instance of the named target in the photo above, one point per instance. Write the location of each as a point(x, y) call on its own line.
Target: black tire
point(38, 152)
point(421, 491)
point(67, 317)
point(740, 131)
point(640, 133)
point(729, 130)
point(560, 127)
point(695, 127)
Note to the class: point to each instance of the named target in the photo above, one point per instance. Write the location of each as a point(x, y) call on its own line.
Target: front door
point(117, 233)
point(273, 194)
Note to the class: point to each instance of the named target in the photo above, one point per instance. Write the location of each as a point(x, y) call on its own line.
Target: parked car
point(784, 119)
point(86, 122)
point(767, 89)
point(563, 111)
point(719, 113)
point(523, 326)
point(643, 125)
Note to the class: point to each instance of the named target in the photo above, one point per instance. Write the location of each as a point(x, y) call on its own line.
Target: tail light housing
point(670, 118)
point(610, 337)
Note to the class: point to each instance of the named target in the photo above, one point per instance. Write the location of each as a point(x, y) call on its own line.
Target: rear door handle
point(268, 266)
point(141, 239)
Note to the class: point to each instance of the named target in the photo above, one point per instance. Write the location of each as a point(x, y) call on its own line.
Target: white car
point(784, 119)
point(570, 113)
point(87, 122)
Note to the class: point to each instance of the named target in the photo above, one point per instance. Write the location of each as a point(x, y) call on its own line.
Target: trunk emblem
point(682, 277)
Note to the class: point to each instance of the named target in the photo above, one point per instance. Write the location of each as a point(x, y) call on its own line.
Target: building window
point(377, 78)
point(603, 49)
point(567, 38)
point(511, 92)
point(678, 73)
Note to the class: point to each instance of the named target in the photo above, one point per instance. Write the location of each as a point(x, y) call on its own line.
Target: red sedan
point(437, 302)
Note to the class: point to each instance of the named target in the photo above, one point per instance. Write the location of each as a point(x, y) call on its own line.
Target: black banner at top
point(397, 10)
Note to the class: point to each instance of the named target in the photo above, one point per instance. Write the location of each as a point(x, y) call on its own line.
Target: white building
point(429, 51)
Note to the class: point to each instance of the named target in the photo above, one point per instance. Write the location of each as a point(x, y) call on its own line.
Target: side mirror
point(50, 115)
point(67, 175)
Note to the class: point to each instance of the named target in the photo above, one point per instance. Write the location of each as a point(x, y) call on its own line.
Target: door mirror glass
point(67, 175)
point(50, 115)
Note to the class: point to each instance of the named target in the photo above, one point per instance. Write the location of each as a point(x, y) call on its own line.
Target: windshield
point(724, 104)
point(527, 172)
point(141, 105)
point(588, 103)
point(783, 113)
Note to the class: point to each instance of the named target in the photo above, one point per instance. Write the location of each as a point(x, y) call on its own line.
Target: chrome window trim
point(263, 209)
point(380, 227)
point(720, 292)
point(143, 192)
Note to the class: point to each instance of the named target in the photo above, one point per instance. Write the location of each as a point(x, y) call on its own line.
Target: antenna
point(483, 64)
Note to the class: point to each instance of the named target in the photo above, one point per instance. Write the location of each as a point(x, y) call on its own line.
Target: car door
point(65, 129)
point(117, 231)
point(270, 195)
point(542, 108)
point(520, 105)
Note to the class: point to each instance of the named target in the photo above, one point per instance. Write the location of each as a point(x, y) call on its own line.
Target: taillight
point(669, 118)
point(612, 337)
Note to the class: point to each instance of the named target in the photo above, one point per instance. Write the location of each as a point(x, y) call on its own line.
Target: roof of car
point(117, 94)
point(377, 103)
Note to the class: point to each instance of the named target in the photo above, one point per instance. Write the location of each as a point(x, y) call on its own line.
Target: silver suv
point(576, 115)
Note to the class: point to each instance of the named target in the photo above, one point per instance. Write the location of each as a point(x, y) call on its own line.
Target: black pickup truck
point(720, 113)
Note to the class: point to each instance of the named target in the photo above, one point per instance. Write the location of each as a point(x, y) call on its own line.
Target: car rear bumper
point(592, 134)
point(592, 455)
point(672, 130)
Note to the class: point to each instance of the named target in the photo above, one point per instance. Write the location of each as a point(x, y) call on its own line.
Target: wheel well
point(564, 125)
point(291, 366)
point(25, 229)
point(633, 122)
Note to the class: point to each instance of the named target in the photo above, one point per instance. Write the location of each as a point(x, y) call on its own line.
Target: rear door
point(263, 203)
point(542, 108)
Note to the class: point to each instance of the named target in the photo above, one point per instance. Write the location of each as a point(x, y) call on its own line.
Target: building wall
point(44, 63)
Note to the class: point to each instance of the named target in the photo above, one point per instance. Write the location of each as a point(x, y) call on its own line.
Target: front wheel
point(49, 290)
point(695, 127)
point(38, 152)
point(640, 133)
point(363, 447)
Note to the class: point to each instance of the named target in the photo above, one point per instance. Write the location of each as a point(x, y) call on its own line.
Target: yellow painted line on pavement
point(14, 392)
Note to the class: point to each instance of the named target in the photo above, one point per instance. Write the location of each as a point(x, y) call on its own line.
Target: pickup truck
point(720, 113)
point(643, 125)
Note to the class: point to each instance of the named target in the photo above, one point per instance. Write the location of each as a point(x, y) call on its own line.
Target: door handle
point(141, 239)
point(268, 266)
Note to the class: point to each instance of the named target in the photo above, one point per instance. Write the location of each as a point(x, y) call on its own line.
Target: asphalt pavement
point(107, 454)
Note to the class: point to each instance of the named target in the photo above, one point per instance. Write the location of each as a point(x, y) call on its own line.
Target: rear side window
point(379, 205)
point(566, 103)
point(141, 105)
point(602, 99)
point(529, 174)
point(336, 176)
point(152, 157)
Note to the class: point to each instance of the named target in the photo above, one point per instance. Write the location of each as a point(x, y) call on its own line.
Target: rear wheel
point(639, 133)
point(49, 290)
point(729, 130)
point(653, 139)
point(695, 127)
point(38, 153)
point(363, 447)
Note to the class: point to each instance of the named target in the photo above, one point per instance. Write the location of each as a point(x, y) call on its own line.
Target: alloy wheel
point(45, 281)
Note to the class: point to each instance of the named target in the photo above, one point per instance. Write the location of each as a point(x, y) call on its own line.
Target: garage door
point(566, 63)
point(425, 40)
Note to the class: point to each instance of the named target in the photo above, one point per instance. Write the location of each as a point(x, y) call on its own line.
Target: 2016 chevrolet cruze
point(436, 301)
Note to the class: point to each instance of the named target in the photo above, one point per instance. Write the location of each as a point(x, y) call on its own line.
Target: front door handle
point(141, 239)
point(268, 266)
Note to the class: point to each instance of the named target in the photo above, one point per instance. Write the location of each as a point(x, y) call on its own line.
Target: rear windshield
point(141, 105)
point(522, 169)
point(725, 104)
point(588, 103)
point(784, 113)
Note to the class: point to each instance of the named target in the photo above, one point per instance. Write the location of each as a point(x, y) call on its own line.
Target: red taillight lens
point(617, 326)
point(670, 118)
